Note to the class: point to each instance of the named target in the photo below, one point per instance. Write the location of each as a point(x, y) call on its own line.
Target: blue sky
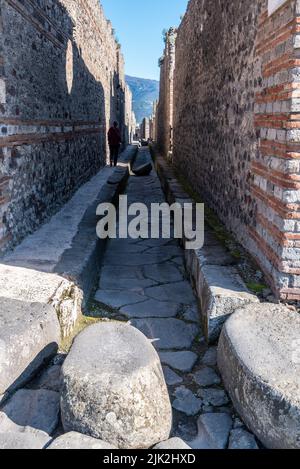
point(139, 25)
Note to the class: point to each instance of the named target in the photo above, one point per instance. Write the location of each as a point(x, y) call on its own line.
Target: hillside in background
point(144, 93)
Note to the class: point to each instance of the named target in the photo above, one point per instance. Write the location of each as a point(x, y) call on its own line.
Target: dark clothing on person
point(114, 154)
point(114, 136)
point(114, 141)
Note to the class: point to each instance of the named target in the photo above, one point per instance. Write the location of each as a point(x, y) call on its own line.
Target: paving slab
point(167, 333)
point(180, 292)
point(29, 336)
point(116, 299)
point(163, 273)
point(114, 283)
point(181, 361)
point(214, 397)
point(241, 439)
point(206, 377)
point(213, 431)
point(151, 309)
point(114, 272)
point(186, 402)
point(210, 357)
point(171, 377)
point(30, 410)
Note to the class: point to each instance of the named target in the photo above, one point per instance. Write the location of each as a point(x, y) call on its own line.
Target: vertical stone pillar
point(166, 97)
point(276, 169)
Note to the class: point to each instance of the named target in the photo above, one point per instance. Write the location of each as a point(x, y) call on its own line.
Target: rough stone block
point(221, 291)
point(259, 359)
point(30, 286)
point(114, 388)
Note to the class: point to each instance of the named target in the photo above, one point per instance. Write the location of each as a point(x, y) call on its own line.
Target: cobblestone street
point(144, 281)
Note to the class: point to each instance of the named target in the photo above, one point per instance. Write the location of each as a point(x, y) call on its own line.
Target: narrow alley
point(150, 227)
point(144, 281)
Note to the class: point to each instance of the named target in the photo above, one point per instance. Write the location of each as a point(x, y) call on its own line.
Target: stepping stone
point(259, 359)
point(114, 388)
point(186, 402)
point(171, 377)
point(143, 170)
point(24, 440)
point(180, 292)
point(172, 444)
point(207, 377)
point(116, 299)
point(241, 439)
point(214, 397)
point(168, 333)
point(151, 309)
point(29, 335)
point(181, 361)
point(33, 409)
point(210, 357)
point(213, 432)
point(163, 273)
point(75, 440)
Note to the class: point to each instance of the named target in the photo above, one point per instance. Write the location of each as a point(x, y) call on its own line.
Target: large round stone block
point(259, 358)
point(114, 388)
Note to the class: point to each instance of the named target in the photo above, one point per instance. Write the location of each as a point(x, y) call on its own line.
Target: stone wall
point(164, 133)
point(61, 83)
point(236, 111)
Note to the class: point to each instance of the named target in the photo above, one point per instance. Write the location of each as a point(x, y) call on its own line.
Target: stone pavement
point(144, 281)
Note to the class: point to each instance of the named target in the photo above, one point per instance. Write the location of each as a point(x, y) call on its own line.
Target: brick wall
point(63, 84)
point(276, 168)
point(236, 137)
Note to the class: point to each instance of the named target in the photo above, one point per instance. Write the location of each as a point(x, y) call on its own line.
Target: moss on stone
point(257, 288)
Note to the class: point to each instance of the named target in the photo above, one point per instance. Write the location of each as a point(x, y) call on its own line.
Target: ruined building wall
point(164, 132)
point(236, 137)
point(61, 83)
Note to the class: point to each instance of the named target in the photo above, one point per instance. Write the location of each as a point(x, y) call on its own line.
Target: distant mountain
point(144, 92)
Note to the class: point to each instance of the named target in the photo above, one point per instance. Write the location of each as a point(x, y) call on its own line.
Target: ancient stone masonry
point(165, 105)
point(236, 120)
point(61, 83)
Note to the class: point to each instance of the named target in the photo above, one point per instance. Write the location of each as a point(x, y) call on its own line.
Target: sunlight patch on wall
point(69, 66)
point(273, 5)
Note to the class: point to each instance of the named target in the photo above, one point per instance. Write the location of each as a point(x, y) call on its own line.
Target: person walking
point(114, 141)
